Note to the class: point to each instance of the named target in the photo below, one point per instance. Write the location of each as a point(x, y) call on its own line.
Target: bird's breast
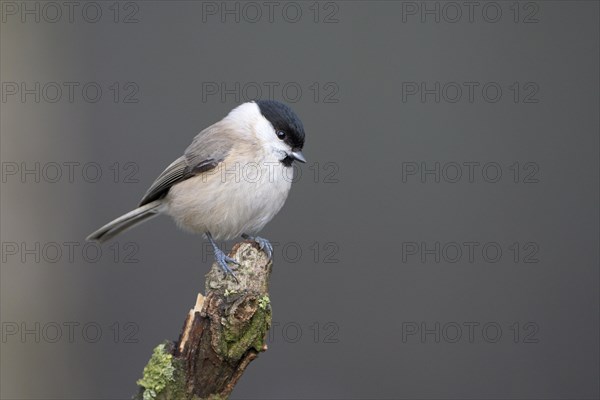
point(238, 196)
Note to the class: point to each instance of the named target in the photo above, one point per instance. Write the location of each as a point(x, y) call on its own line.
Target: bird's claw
point(263, 244)
point(222, 259)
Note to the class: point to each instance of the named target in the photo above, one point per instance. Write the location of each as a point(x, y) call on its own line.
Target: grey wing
point(175, 172)
point(204, 154)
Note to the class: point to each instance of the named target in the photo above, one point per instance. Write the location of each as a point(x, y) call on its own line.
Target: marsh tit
point(231, 180)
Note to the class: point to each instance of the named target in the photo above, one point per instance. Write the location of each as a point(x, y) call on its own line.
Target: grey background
point(364, 215)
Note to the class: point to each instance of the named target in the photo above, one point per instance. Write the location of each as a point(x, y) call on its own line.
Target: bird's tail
point(127, 221)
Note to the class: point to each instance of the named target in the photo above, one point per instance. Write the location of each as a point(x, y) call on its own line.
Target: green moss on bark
point(251, 337)
point(220, 338)
point(163, 376)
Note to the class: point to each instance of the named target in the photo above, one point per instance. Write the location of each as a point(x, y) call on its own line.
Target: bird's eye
point(281, 135)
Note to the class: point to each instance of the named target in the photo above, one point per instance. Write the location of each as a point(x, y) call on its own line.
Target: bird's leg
point(263, 243)
point(222, 258)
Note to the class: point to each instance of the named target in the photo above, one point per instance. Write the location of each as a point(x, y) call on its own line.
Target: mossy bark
point(221, 335)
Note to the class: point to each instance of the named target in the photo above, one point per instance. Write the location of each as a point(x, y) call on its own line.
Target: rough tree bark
point(221, 335)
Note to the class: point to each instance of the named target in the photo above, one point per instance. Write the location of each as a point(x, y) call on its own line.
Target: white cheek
point(267, 136)
point(249, 114)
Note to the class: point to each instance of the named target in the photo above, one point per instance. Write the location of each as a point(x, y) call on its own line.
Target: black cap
point(283, 120)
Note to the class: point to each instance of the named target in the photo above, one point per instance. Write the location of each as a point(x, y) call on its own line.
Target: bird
point(231, 180)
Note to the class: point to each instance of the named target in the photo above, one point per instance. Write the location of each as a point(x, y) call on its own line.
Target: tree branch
point(221, 335)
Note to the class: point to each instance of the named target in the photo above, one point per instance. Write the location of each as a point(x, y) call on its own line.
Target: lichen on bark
point(222, 334)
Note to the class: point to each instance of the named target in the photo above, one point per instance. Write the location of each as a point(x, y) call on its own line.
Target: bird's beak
point(298, 156)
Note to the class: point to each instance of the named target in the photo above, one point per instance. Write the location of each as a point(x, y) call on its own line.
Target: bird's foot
point(223, 260)
point(263, 244)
